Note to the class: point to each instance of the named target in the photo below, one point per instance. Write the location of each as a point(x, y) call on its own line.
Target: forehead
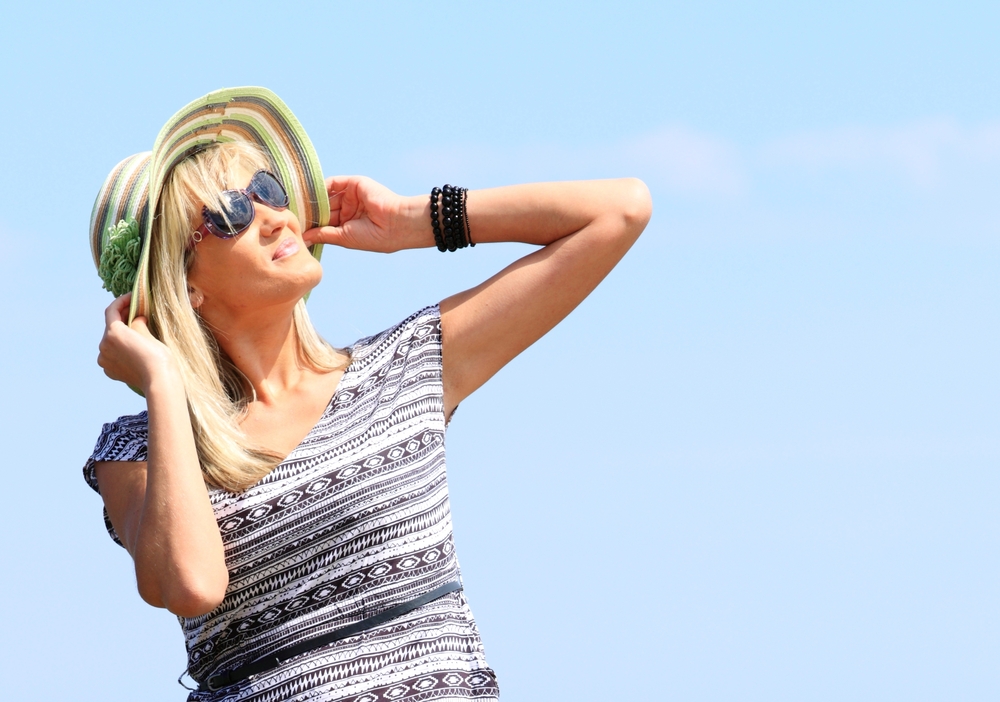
point(238, 176)
point(227, 165)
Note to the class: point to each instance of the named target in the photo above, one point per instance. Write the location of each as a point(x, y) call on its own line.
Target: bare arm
point(160, 508)
point(584, 228)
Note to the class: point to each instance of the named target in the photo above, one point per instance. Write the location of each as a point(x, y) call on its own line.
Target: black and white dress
point(356, 520)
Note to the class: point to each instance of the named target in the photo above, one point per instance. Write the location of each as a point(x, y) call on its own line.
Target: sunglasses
point(237, 206)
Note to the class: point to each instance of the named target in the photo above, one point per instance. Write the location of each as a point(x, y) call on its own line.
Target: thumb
point(141, 325)
point(324, 235)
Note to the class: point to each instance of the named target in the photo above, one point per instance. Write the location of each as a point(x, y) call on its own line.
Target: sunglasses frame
point(250, 193)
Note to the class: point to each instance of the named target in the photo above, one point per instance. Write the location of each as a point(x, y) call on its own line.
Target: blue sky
point(759, 463)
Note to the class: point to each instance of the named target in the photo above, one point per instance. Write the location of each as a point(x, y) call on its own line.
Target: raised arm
point(160, 508)
point(585, 228)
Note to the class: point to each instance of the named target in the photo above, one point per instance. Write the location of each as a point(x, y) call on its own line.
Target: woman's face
point(266, 266)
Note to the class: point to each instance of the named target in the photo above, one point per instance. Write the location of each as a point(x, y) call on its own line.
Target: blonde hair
point(218, 394)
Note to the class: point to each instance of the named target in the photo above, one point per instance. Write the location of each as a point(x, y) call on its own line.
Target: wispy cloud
point(933, 175)
point(923, 153)
point(686, 161)
point(674, 158)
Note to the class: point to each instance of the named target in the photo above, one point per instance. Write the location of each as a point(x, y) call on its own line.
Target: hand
point(131, 354)
point(364, 215)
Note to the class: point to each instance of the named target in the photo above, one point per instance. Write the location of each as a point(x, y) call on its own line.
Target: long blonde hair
point(217, 392)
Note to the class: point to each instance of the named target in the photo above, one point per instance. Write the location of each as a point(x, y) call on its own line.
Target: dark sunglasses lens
point(238, 213)
point(269, 189)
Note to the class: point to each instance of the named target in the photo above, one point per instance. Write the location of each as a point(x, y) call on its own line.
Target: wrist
point(415, 217)
point(162, 374)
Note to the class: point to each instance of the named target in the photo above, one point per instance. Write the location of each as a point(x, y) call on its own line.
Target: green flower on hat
point(120, 258)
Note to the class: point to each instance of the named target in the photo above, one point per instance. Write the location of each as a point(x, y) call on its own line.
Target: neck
point(264, 347)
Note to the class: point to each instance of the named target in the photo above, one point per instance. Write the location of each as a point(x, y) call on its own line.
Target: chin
point(313, 273)
point(306, 279)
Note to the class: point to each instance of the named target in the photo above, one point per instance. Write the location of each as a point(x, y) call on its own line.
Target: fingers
point(128, 353)
point(335, 213)
point(348, 195)
point(336, 184)
point(340, 188)
point(117, 311)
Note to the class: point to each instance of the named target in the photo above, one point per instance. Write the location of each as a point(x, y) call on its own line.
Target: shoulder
point(422, 328)
point(124, 439)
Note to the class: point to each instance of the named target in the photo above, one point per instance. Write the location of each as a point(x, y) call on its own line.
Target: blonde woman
point(286, 499)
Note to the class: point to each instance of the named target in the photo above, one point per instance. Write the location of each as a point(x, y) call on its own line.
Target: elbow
point(637, 206)
point(186, 597)
point(195, 603)
point(190, 601)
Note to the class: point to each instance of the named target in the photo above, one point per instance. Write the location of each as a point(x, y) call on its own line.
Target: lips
point(286, 248)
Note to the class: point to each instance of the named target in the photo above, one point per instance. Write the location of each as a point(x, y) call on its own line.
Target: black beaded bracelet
point(465, 217)
point(434, 220)
point(448, 212)
point(451, 230)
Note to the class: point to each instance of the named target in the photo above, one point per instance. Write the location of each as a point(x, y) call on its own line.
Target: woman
point(287, 500)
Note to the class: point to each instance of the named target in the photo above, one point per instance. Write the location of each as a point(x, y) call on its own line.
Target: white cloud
point(924, 153)
point(686, 161)
point(673, 158)
point(682, 161)
point(935, 176)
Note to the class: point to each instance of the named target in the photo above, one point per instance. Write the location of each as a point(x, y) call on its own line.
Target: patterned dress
point(356, 520)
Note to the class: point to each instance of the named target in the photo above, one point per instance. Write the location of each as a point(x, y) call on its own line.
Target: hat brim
point(122, 197)
point(250, 114)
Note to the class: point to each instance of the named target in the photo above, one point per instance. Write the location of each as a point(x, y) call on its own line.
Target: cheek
point(213, 266)
point(239, 278)
point(194, 272)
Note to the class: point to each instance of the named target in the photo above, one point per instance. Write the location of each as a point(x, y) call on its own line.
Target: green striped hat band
point(121, 224)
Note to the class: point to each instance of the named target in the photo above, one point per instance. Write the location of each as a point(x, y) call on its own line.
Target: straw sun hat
point(122, 218)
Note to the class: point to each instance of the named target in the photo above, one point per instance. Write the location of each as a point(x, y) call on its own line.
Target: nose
point(271, 222)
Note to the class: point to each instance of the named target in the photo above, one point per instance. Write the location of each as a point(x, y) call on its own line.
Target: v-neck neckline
point(327, 411)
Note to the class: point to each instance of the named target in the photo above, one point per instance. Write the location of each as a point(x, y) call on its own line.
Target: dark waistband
point(273, 660)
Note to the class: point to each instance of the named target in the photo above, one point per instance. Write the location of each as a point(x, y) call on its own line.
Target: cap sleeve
point(416, 341)
point(403, 364)
point(124, 439)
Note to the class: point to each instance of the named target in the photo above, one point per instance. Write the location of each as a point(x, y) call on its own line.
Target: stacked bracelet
point(465, 217)
point(438, 239)
point(454, 217)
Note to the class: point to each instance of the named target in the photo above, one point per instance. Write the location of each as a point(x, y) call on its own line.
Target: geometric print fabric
point(354, 521)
